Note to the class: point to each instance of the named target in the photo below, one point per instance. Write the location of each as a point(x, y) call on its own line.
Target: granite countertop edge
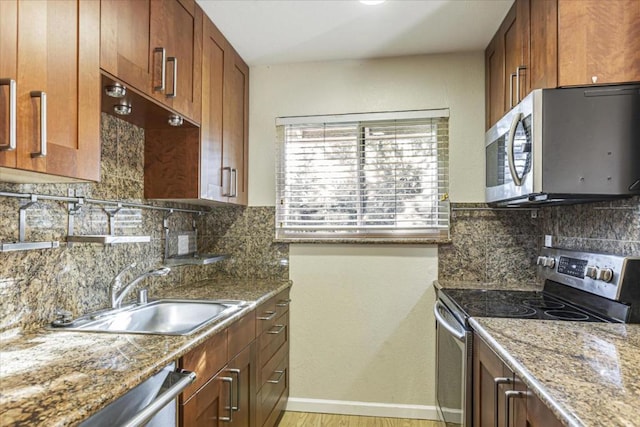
point(98, 398)
point(558, 409)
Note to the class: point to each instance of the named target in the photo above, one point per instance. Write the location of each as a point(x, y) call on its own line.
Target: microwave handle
point(510, 157)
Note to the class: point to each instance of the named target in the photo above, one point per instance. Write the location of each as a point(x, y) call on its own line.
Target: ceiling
point(282, 31)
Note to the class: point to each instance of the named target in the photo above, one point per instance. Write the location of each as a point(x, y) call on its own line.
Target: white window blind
point(362, 176)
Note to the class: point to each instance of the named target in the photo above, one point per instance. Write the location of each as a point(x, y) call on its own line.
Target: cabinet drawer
point(271, 310)
point(272, 395)
point(205, 360)
point(241, 334)
point(273, 339)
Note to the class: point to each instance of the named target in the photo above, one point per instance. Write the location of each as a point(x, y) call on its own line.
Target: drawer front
point(273, 339)
point(241, 334)
point(272, 395)
point(205, 360)
point(271, 310)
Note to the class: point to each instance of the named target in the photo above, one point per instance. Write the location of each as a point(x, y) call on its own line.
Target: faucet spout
point(117, 294)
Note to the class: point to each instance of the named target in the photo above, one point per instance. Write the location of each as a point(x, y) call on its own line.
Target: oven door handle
point(458, 332)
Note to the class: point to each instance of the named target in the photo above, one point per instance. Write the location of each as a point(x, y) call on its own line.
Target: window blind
point(374, 176)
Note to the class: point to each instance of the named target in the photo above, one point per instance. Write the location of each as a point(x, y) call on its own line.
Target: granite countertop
point(588, 374)
point(57, 378)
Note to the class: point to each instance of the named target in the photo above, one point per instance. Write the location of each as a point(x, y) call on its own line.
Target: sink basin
point(161, 317)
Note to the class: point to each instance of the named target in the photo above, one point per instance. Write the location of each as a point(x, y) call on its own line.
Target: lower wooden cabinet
point(242, 379)
point(500, 398)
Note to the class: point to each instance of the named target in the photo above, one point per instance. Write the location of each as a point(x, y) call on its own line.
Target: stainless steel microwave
point(567, 145)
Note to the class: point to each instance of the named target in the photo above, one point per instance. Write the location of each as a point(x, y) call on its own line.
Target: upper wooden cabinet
point(212, 168)
point(599, 42)
point(54, 126)
point(555, 43)
point(156, 47)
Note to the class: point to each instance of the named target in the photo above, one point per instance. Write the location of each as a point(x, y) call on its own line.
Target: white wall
point(362, 328)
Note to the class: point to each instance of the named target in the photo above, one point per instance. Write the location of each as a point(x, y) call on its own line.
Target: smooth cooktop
point(517, 304)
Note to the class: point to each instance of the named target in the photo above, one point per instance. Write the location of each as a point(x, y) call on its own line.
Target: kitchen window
point(358, 177)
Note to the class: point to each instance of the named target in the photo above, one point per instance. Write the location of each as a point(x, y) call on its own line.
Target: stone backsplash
point(33, 284)
point(491, 245)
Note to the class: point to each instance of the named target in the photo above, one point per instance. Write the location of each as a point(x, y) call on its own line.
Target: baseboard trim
point(369, 409)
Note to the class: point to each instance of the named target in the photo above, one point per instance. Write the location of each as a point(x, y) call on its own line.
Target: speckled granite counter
point(60, 378)
point(512, 286)
point(587, 373)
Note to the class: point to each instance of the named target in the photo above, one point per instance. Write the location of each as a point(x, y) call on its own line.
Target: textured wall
point(34, 283)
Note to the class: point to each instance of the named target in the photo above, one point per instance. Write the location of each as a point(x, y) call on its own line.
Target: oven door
point(453, 368)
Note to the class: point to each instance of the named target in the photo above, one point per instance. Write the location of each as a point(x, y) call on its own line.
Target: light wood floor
point(305, 419)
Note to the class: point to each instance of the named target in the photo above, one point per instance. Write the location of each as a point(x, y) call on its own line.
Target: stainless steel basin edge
point(158, 317)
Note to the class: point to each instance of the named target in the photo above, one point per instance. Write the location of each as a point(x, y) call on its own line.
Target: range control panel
point(600, 274)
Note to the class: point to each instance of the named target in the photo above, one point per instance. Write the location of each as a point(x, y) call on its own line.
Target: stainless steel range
point(578, 286)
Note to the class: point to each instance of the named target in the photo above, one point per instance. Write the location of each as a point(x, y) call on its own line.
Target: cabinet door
point(542, 34)
point(243, 371)
point(211, 131)
point(538, 414)
point(58, 88)
point(236, 125)
point(176, 27)
point(125, 41)
point(598, 42)
point(491, 378)
point(512, 42)
point(494, 81)
point(8, 72)
point(211, 405)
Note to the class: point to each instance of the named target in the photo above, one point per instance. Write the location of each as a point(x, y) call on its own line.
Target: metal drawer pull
point(496, 384)
point(508, 395)
point(276, 332)
point(269, 315)
point(237, 372)
point(163, 69)
point(280, 375)
point(174, 91)
point(12, 114)
point(283, 303)
point(513, 75)
point(229, 381)
point(43, 123)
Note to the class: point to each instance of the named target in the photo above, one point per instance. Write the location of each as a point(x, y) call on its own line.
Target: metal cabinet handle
point(234, 180)
point(283, 303)
point(228, 192)
point(513, 75)
point(43, 123)
point(508, 395)
point(496, 385)
point(229, 381)
point(281, 374)
point(174, 90)
point(237, 372)
point(12, 114)
point(163, 69)
point(520, 68)
point(277, 331)
point(269, 315)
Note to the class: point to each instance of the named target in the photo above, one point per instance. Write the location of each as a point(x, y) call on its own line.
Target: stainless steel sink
point(161, 317)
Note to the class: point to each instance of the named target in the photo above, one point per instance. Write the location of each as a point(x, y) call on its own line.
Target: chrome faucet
point(118, 291)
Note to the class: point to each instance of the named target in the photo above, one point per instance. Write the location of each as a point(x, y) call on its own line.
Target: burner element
point(499, 309)
point(543, 304)
point(566, 315)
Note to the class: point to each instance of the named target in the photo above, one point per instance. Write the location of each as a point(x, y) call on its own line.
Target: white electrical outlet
point(548, 240)
point(183, 244)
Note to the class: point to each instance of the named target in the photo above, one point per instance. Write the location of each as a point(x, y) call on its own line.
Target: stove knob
point(540, 260)
point(605, 274)
point(592, 272)
point(549, 262)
